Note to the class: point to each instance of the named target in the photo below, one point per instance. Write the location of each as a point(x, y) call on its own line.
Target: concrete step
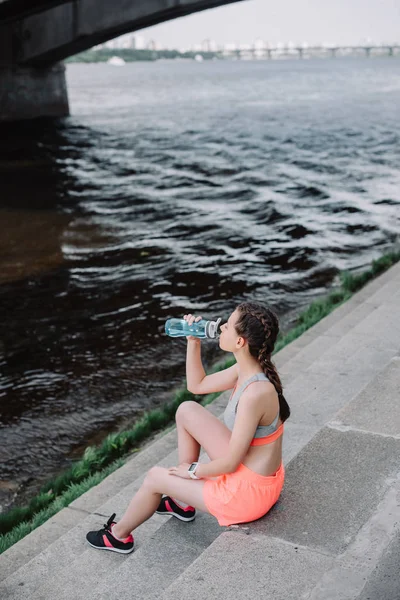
point(162, 550)
point(51, 567)
point(153, 453)
point(142, 569)
point(334, 534)
point(352, 315)
point(54, 563)
point(161, 561)
point(343, 317)
point(83, 569)
point(342, 369)
point(44, 578)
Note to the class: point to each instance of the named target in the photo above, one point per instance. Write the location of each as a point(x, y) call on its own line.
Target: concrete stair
point(335, 532)
point(337, 513)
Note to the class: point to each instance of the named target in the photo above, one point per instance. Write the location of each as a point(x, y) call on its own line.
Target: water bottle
point(200, 329)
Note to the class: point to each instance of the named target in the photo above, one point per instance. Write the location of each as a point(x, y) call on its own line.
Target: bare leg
point(197, 427)
point(142, 506)
point(147, 498)
point(188, 447)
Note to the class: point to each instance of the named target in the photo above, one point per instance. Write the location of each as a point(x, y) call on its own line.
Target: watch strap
point(192, 474)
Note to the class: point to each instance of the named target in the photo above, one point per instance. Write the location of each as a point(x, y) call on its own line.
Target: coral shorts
point(243, 495)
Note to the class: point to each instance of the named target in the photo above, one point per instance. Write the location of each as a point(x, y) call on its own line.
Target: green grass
point(73, 491)
point(98, 462)
point(132, 55)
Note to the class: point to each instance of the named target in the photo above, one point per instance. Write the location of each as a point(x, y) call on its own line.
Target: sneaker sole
point(172, 514)
point(112, 549)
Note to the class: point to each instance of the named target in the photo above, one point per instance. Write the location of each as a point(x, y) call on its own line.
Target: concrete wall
point(27, 93)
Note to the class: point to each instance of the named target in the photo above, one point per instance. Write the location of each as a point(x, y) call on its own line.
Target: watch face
point(192, 467)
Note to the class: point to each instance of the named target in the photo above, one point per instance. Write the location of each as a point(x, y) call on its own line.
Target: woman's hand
point(191, 319)
point(180, 471)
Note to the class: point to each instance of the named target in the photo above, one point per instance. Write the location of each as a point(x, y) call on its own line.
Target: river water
point(174, 187)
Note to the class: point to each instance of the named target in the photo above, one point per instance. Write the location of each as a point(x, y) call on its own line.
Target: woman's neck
point(247, 367)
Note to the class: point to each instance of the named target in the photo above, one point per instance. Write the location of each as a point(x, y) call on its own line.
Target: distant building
point(209, 46)
point(228, 49)
point(259, 44)
point(140, 42)
point(123, 41)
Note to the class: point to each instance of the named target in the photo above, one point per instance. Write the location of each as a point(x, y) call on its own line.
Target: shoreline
point(126, 55)
point(98, 462)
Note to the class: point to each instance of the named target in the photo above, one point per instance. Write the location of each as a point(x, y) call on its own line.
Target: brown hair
point(260, 327)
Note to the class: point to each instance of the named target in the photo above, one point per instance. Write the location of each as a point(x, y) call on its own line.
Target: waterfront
point(175, 187)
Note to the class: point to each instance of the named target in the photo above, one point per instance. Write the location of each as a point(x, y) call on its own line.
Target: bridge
point(310, 51)
point(37, 35)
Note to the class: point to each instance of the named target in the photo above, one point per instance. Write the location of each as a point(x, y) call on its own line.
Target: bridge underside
point(36, 35)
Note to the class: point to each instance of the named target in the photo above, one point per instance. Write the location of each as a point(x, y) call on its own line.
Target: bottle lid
point(212, 328)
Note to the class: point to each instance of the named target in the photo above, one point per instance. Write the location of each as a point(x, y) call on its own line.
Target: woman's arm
point(197, 381)
point(195, 372)
point(248, 416)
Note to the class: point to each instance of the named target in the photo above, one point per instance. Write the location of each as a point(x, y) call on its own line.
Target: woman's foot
point(168, 506)
point(105, 540)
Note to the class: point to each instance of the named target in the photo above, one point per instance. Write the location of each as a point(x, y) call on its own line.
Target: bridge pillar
point(29, 92)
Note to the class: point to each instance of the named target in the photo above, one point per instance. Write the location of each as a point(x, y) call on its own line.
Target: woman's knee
point(185, 409)
point(153, 476)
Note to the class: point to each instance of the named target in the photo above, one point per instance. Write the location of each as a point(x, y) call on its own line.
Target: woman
point(245, 476)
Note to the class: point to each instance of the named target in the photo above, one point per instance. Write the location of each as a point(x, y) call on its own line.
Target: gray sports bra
point(230, 411)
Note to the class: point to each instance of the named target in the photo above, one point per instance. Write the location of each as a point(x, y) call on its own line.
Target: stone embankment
point(333, 535)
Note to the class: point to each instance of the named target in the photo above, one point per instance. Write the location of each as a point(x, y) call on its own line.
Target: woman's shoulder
point(260, 390)
point(263, 387)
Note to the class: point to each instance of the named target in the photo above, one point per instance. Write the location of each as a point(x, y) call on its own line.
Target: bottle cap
point(212, 328)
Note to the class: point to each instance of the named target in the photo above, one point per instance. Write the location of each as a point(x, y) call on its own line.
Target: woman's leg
point(197, 427)
point(158, 481)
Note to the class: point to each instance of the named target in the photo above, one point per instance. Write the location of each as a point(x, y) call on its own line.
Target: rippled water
point(175, 187)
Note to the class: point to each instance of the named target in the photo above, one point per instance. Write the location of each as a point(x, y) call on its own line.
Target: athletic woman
point(245, 475)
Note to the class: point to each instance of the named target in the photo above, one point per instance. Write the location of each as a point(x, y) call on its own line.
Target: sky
point(314, 21)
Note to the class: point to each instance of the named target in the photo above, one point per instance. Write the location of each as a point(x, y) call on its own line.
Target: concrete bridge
point(271, 52)
point(36, 35)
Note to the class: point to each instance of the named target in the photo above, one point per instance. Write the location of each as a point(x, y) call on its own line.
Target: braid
point(270, 370)
point(261, 331)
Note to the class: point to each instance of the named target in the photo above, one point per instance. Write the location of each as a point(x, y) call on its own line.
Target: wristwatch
point(192, 470)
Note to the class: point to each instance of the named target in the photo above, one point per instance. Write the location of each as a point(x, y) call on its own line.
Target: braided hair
point(260, 327)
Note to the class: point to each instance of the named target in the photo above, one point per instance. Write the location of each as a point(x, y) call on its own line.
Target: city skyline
point(139, 42)
point(315, 22)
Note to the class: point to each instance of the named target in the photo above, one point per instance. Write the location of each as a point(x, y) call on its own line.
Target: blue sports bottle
point(200, 329)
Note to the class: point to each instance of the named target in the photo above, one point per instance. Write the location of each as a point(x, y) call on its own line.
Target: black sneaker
point(104, 539)
point(168, 506)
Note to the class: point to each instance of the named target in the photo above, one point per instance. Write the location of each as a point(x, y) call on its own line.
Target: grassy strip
point(115, 445)
point(99, 462)
point(74, 491)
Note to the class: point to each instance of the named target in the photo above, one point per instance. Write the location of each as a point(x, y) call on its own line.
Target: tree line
point(131, 55)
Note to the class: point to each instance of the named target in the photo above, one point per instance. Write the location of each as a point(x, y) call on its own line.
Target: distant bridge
point(36, 34)
point(308, 51)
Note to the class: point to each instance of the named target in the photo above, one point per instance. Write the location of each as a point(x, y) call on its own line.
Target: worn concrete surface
point(334, 533)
